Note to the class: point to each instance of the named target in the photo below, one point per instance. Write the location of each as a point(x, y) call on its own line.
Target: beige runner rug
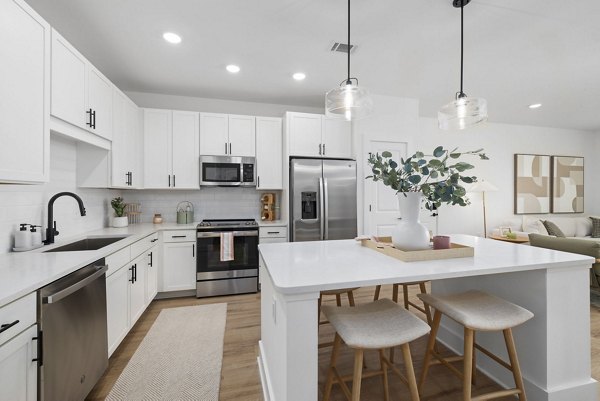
point(179, 359)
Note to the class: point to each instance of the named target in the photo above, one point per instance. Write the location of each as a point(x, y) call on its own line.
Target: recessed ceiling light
point(535, 106)
point(233, 68)
point(299, 76)
point(172, 37)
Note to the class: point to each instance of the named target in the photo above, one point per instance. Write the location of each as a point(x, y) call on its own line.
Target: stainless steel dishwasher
point(72, 330)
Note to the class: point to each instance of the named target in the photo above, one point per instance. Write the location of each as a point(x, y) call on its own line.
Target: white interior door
point(381, 204)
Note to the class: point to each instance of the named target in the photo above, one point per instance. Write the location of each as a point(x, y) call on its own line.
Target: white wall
point(28, 203)
point(501, 142)
point(159, 101)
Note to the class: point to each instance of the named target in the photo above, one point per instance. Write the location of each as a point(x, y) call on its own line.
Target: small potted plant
point(120, 219)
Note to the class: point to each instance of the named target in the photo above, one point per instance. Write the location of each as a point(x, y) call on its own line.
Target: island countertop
point(300, 267)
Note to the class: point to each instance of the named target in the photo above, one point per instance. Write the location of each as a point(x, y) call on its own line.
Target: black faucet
point(51, 231)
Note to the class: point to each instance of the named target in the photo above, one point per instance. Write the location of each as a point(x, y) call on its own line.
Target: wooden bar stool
point(477, 311)
point(374, 326)
point(338, 300)
point(407, 303)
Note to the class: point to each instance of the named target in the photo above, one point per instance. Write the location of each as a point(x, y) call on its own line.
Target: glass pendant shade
point(348, 101)
point(462, 113)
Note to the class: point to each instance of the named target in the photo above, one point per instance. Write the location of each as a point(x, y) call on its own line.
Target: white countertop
point(276, 223)
point(24, 272)
point(300, 267)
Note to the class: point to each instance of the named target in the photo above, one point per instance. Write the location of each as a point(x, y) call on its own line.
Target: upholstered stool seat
point(377, 325)
point(477, 311)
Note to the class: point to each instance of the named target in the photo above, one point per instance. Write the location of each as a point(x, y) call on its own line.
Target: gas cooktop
point(226, 223)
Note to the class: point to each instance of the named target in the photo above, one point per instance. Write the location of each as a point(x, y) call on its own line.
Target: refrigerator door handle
point(321, 208)
point(325, 209)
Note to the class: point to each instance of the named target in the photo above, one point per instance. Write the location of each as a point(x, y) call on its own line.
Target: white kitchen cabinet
point(178, 266)
point(152, 261)
point(125, 147)
point(171, 149)
point(81, 95)
point(315, 135)
point(117, 307)
point(25, 83)
point(18, 371)
point(269, 153)
point(227, 135)
point(137, 288)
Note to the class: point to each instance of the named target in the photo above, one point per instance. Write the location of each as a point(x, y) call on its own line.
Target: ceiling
point(517, 52)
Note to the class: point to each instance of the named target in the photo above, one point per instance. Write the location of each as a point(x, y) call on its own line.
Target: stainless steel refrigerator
point(322, 199)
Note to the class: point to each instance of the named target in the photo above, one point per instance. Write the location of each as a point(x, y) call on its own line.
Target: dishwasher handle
point(57, 296)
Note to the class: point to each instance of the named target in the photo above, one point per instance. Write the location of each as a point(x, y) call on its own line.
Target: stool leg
point(474, 370)
point(334, 355)
point(357, 378)
point(430, 345)
point(377, 292)
point(319, 307)
point(514, 362)
point(405, 294)
point(350, 298)
point(395, 292)
point(410, 373)
point(427, 309)
point(338, 299)
point(468, 361)
point(384, 368)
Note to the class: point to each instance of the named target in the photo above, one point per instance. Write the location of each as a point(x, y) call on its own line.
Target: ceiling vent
point(342, 48)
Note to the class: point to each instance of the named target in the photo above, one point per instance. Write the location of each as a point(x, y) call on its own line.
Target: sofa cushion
point(572, 245)
point(595, 227)
point(533, 225)
point(583, 227)
point(553, 229)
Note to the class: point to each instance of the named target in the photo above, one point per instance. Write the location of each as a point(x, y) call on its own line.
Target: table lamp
point(483, 187)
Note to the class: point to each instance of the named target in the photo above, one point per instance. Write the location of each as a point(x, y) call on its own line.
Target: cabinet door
point(119, 146)
point(269, 153)
point(152, 260)
point(179, 266)
point(242, 136)
point(304, 134)
point(157, 148)
point(186, 138)
point(68, 83)
point(100, 92)
point(18, 373)
point(137, 288)
point(133, 140)
point(214, 134)
point(24, 79)
point(337, 138)
point(117, 307)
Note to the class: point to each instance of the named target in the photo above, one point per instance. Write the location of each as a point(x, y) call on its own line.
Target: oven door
point(245, 255)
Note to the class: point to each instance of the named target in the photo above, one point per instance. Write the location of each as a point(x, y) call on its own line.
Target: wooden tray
point(384, 245)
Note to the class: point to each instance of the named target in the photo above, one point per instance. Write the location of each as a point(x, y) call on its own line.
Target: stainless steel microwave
point(227, 171)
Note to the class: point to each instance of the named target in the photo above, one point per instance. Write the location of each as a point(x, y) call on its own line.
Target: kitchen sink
point(87, 244)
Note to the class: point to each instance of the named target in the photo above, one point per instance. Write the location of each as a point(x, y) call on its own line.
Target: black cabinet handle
point(174, 181)
point(193, 250)
point(40, 349)
point(7, 326)
point(94, 119)
point(150, 264)
point(320, 149)
point(132, 280)
point(130, 178)
point(323, 149)
point(154, 240)
point(225, 147)
point(178, 236)
point(258, 184)
point(135, 272)
point(272, 232)
point(89, 123)
point(229, 147)
point(169, 180)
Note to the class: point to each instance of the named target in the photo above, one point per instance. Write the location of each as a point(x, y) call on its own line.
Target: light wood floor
point(239, 376)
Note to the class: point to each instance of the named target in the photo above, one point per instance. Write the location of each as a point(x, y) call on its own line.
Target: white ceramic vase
point(119, 222)
point(410, 234)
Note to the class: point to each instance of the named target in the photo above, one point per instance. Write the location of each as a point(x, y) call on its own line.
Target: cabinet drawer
point(179, 236)
point(143, 245)
point(21, 311)
point(117, 260)
point(269, 240)
point(273, 232)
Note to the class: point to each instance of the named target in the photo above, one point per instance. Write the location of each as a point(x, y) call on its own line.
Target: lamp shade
point(462, 113)
point(482, 186)
point(348, 101)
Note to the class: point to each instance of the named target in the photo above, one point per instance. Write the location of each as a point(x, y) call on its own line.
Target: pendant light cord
point(348, 81)
point(462, 4)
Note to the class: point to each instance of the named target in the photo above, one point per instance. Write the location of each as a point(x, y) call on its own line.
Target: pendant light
point(348, 100)
point(463, 112)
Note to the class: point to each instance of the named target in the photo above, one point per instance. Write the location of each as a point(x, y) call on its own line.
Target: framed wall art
point(567, 184)
point(532, 184)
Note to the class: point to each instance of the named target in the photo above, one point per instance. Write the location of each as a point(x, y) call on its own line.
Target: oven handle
point(57, 296)
point(216, 234)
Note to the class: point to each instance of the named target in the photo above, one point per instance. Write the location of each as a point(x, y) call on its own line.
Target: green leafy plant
point(119, 206)
point(438, 176)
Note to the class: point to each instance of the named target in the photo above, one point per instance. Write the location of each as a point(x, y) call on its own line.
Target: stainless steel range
point(227, 257)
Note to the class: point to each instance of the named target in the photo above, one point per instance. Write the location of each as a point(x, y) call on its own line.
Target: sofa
point(573, 226)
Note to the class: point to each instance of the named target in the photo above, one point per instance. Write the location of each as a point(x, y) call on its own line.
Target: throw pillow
point(595, 227)
point(553, 229)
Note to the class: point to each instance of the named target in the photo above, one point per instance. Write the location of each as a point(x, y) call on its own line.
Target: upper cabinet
point(269, 153)
point(24, 79)
point(81, 95)
point(314, 135)
point(227, 135)
point(126, 143)
point(171, 142)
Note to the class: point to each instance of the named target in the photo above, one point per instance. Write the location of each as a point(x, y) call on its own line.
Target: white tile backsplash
point(28, 203)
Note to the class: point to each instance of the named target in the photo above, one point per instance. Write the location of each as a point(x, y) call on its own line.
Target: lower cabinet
point(137, 288)
point(18, 370)
point(117, 307)
point(152, 260)
point(179, 266)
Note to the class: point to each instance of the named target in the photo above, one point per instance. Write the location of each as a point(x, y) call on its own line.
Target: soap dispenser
point(36, 236)
point(22, 238)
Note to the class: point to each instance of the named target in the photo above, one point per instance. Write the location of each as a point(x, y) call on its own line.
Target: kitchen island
point(553, 347)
